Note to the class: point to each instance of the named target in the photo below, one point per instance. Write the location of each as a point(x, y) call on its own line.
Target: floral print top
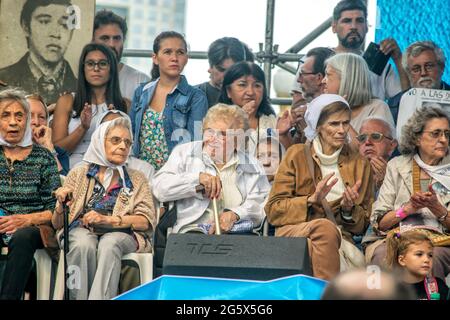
point(154, 147)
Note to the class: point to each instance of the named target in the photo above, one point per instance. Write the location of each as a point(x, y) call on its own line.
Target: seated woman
point(167, 110)
point(97, 91)
point(244, 85)
point(297, 207)
point(42, 133)
point(347, 75)
point(105, 194)
point(416, 189)
point(28, 176)
point(220, 167)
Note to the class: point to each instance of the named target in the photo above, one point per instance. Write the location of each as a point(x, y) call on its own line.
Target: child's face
point(418, 259)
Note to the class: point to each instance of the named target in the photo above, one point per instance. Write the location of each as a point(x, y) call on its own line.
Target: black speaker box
point(236, 256)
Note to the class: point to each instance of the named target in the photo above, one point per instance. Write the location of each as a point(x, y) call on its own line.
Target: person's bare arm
point(60, 125)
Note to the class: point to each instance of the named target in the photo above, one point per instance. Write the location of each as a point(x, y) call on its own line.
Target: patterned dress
point(154, 148)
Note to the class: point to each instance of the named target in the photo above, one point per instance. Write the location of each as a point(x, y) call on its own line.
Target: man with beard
point(111, 30)
point(43, 69)
point(350, 25)
point(424, 63)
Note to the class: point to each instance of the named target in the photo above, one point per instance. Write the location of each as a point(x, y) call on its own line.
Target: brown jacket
point(293, 184)
point(140, 202)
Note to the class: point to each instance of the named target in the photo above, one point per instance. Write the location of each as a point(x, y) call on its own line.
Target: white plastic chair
point(143, 260)
point(43, 274)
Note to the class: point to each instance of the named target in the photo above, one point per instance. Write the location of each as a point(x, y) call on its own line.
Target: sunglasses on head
point(374, 137)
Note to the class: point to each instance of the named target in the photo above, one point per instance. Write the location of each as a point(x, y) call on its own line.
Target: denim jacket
point(186, 106)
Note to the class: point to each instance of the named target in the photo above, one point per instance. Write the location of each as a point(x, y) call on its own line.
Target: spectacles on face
point(302, 73)
point(222, 135)
point(118, 140)
point(417, 69)
point(374, 137)
point(101, 64)
point(436, 134)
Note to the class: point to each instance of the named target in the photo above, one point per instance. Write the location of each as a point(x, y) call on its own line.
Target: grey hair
point(119, 122)
point(230, 113)
point(412, 130)
point(355, 79)
point(389, 126)
point(416, 48)
point(16, 95)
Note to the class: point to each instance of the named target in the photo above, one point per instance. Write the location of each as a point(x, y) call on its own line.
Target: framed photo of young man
point(41, 43)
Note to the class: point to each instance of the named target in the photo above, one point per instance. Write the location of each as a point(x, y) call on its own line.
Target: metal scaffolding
point(267, 55)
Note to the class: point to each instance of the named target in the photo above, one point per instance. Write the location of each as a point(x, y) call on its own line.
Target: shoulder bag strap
point(310, 162)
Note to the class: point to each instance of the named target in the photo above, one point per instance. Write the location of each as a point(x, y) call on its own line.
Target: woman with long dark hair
point(244, 84)
point(165, 111)
point(97, 90)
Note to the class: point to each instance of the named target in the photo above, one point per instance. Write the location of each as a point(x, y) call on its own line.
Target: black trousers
point(21, 249)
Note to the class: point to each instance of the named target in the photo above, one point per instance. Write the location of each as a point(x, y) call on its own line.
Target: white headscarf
point(27, 139)
point(96, 153)
point(440, 173)
point(104, 114)
point(314, 109)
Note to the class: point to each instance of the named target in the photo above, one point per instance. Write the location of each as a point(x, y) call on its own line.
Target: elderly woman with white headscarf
point(322, 173)
point(111, 213)
point(28, 176)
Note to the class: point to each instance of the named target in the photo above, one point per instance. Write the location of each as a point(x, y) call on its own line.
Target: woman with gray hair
point(28, 176)
point(111, 213)
point(415, 193)
point(218, 165)
point(347, 75)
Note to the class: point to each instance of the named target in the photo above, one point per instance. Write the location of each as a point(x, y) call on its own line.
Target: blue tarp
point(297, 287)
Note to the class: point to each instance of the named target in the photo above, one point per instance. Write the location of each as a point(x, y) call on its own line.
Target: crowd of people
point(336, 168)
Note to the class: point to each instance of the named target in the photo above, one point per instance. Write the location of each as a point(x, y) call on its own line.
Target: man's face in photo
point(351, 28)
point(49, 35)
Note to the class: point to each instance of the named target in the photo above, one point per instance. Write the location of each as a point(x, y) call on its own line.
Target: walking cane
point(216, 217)
point(66, 212)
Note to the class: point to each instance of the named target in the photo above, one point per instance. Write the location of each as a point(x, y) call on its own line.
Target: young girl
point(411, 252)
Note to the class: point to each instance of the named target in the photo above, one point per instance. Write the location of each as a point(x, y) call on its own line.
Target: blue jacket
point(186, 106)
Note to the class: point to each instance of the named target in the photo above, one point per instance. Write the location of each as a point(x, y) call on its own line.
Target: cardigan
point(138, 202)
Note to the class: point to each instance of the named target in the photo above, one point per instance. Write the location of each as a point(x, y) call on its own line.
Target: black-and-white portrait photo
point(41, 41)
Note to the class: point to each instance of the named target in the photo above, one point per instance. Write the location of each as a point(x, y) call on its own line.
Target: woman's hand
point(212, 184)
point(428, 200)
point(322, 189)
point(10, 224)
point(226, 222)
point(43, 136)
point(63, 195)
point(349, 196)
point(94, 218)
point(250, 107)
point(284, 123)
point(86, 116)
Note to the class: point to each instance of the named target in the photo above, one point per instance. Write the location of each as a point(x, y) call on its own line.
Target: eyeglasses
point(302, 74)
point(91, 64)
point(209, 133)
point(427, 66)
point(436, 134)
point(374, 137)
point(117, 140)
